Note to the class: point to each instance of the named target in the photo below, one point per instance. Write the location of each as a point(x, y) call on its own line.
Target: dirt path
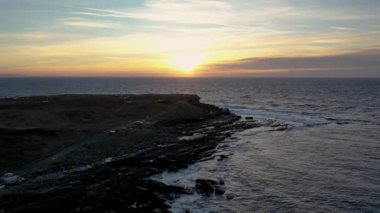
point(34, 166)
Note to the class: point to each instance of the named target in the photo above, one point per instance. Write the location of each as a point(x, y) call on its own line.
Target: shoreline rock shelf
point(209, 187)
point(122, 183)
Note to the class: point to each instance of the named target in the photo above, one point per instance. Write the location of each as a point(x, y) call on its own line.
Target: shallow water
point(329, 161)
point(300, 170)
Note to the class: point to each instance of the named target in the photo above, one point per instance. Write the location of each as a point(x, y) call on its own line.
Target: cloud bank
point(234, 37)
point(365, 63)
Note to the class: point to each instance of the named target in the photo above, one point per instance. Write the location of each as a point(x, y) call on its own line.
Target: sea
point(329, 161)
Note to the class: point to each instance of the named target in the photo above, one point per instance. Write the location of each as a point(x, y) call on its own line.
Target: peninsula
point(85, 153)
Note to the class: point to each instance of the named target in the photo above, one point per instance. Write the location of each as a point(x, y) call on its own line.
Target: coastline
point(181, 133)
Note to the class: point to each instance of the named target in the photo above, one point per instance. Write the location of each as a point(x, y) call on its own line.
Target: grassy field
point(33, 128)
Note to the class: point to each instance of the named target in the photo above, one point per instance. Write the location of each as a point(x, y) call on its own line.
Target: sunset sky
point(325, 38)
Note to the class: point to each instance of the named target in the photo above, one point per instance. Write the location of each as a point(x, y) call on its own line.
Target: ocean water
point(328, 162)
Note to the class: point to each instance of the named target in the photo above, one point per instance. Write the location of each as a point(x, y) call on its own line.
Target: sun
point(186, 62)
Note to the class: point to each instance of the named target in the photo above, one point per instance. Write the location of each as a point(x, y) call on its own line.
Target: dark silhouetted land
point(98, 152)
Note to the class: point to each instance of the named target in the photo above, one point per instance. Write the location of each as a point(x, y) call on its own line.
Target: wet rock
point(185, 211)
point(11, 179)
point(342, 122)
point(249, 118)
point(222, 157)
point(230, 196)
point(205, 186)
point(283, 128)
point(208, 186)
point(172, 168)
point(195, 136)
point(219, 190)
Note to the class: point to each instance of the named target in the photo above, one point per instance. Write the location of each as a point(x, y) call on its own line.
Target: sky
point(196, 38)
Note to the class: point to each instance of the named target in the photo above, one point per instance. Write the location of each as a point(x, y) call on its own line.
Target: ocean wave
point(291, 117)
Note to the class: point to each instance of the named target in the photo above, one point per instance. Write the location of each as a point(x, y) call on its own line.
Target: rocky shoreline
point(122, 183)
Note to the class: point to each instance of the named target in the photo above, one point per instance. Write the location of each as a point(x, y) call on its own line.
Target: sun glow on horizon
point(165, 38)
point(186, 62)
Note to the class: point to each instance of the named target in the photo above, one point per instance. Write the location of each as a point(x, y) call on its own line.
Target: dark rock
point(248, 118)
point(281, 128)
point(208, 186)
point(219, 190)
point(172, 169)
point(222, 157)
point(205, 185)
point(342, 122)
point(230, 196)
point(121, 184)
point(226, 110)
point(163, 101)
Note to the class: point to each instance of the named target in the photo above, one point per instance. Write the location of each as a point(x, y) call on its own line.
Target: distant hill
point(8, 75)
